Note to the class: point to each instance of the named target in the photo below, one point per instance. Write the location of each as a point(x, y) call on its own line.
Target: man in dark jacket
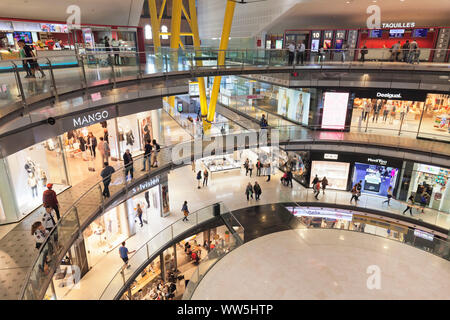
point(49, 199)
point(106, 175)
point(147, 154)
point(289, 177)
point(128, 163)
point(257, 189)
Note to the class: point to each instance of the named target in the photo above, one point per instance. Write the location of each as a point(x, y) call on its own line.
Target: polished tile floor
point(325, 264)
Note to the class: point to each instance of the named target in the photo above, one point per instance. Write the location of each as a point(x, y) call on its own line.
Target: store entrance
point(81, 147)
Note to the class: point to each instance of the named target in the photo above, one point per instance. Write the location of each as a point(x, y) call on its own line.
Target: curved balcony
point(84, 209)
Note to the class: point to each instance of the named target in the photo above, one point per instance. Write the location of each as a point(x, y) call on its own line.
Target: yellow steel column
point(175, 39)
point(155, 24)
point(228, 19)
point(196, 40)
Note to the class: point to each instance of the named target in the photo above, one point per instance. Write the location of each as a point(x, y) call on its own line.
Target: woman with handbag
point(185, 211)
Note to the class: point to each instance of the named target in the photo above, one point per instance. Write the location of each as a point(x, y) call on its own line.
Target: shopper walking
point(128, 163)
point(289, 177)
point(324, 184)
point(249, 191)
point(49, 222)
point(205, 177)
point(354, 192)
point(257, 189)
point(258, 168)
point(103, 148)
point(123, 252)
point(185, 211)
point(106, 175)
point(409, 205)
point(49, 199)
point(139, 213)
point(317, 189)
point(405, 51)
point(268, 171)
point(250, 167)
point(313, 183)
point(154, 162)
point(147, 155)
point(199, 178)
point(246, 163)
point(389, 196)
point(39, 233)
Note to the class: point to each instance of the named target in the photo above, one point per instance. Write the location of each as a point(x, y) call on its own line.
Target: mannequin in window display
point(146, 129)
point(284, 104)
point(147, 198)
point(376, 110)
point(32, 183)
point(121, 135)
point(41, 175)
point(129, 137)
point(106, 135)
point(30, 166)
point(403, 112)
point(386, 111)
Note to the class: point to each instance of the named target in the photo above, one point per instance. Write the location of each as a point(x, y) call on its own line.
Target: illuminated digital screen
point(334, 110)
point(315, 45)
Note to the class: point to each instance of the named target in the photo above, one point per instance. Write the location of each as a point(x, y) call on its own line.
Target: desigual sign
point(389, 95)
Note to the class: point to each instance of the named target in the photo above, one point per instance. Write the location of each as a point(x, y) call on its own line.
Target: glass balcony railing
point(156, 244)
point(51, 76)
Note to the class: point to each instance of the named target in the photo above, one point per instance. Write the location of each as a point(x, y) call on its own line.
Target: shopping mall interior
point(224, 150)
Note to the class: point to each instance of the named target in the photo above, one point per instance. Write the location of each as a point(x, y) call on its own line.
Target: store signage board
point(428, 169)
point(377, 161)
point(150, 183)
point(26, 26)
point(423, 235)
point(398, 25)
point(320, 213)
point(88, 118)
point(6, 26)
point(330, 156)
point(392, 94)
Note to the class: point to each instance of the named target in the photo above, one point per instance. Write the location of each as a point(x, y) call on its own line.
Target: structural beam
point(155, 22)
point(196, 40)
point(227, 21)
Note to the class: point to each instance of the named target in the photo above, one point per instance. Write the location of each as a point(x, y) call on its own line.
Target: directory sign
point(396, 33)
point(334, 110)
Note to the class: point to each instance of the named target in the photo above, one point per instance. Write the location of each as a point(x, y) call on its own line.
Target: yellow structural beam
point(196, 40)
point(175, 24)
point(227, 21)
point(155, 22)
point(186, 15)
point(161, 11)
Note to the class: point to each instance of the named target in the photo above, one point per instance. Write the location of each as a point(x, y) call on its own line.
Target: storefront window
point(435, 122)
point(134, 130)
point(30, 171)
point(376, 179)
point(106, 233)
point(335, 172)
point(430, 187)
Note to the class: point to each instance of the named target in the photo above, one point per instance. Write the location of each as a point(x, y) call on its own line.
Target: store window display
point(106, 233)
point(32, 168)
point(336, 173)
point(436, 117)
point(431, 183)
point(150, 204)
point(297, 162)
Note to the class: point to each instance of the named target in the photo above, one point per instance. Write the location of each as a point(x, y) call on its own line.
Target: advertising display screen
point(339, 43)
point(327, 44)
point(377, 33)
point(279, 44)
point(334, 110)
point(375, 178)
point(315, 45)
point(396, 33)
point(420, 33)
point(294, 104)
point(26, 36)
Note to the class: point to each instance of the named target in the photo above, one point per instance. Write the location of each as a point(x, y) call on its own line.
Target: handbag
point(186, 213)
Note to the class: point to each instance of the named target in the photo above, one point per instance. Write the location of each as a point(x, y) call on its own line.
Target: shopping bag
point(114, 159)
